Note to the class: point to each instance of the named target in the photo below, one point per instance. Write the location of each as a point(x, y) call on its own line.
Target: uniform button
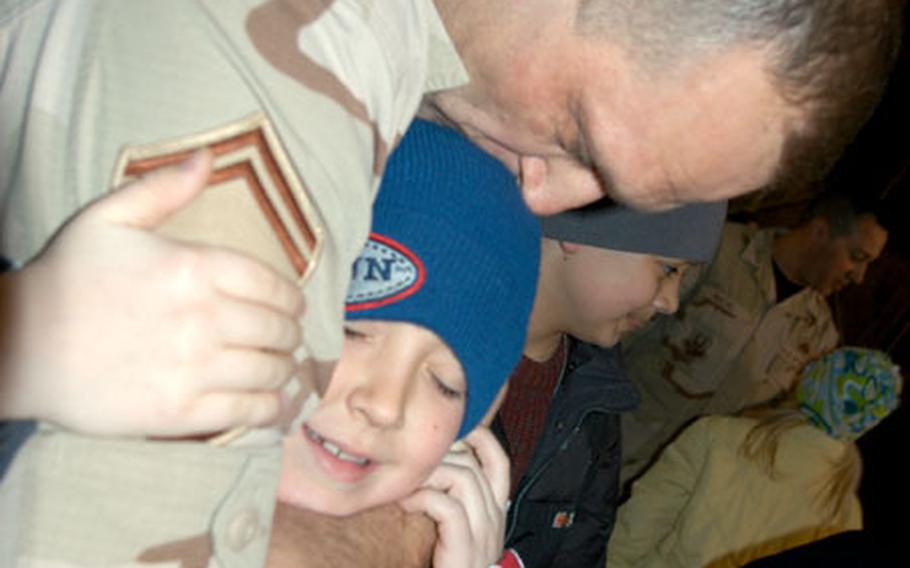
point(243, 529)
point(559, 426)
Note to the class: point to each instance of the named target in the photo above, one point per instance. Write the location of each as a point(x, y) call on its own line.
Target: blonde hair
point(761, 443)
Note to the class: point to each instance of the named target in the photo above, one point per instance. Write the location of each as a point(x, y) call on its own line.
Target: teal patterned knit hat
point(848, 391)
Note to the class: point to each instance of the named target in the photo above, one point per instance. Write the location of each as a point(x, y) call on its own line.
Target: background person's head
point(607, 270)
point(844, 393)
point(833, 245)
point(661, 102)
point(436, 317)
point(848, 391)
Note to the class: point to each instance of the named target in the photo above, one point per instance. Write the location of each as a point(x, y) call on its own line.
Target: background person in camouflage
point(748, 322)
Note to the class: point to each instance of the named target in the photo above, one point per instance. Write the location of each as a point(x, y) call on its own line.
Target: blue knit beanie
point(453, 249)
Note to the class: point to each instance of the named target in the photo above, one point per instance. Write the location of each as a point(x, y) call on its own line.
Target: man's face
point(840, 261)
point(582, 120)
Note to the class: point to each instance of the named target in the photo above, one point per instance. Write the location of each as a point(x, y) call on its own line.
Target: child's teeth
point(331, 447)
point(336, 451)
point(350, 458)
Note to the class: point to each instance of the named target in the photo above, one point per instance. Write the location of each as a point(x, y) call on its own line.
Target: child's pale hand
point(467, 496)
point(113, 329)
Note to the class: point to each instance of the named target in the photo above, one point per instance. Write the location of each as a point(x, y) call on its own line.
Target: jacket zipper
point(520, 497)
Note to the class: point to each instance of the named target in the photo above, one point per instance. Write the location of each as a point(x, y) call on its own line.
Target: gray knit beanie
point(690, 232)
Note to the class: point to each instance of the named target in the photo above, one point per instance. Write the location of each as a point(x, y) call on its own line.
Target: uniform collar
point(445, 69)
point(758, 250)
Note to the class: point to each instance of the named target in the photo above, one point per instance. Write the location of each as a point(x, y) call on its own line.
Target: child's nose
point(667, 300)
point(380, 399)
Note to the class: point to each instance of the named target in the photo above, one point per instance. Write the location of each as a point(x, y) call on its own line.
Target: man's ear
point(568, 248)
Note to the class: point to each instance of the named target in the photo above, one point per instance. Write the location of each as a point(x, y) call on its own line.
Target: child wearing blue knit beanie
point(436, 318)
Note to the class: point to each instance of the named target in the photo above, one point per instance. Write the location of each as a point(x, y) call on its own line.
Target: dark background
point(876, 314)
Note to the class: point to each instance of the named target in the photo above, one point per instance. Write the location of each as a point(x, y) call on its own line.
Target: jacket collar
point(595, 378)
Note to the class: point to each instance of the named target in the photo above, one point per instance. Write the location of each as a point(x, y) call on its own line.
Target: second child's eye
point(669, 269)
point(445, 389)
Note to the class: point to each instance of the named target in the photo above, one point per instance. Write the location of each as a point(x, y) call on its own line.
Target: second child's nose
point(667, 300)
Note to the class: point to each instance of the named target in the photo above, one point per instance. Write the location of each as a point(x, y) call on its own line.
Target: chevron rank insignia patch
point(255, 202)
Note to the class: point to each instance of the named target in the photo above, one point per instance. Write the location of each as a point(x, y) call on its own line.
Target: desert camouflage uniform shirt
point(730, 345)
point(301, 102)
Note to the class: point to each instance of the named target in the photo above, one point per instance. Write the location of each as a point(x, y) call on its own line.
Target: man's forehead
point(714, 132)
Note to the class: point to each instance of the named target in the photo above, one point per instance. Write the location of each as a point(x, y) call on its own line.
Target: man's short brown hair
point(828, 57)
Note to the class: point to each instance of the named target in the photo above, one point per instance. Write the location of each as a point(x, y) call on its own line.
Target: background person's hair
point(778, 418)
point(829, 57)
point(843, 393)
point(841, 211)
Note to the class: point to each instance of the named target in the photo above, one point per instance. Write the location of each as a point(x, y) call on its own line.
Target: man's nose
point(557, 184)
point(858, 274)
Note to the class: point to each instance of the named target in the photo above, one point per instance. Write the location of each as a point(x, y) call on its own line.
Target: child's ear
point(568, 248)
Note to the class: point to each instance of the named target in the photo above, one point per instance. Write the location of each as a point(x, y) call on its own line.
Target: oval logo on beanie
point(385, 272)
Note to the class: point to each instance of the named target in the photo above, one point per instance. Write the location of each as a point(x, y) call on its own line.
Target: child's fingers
point(493, 460)
point(250, 325)
point(466, 480)
point(470, 524)
point(248, 370)
point(446, 511)
point(460, 477)
point(452, 524)
point(246, 278)
point(149, 201)
point(218, 411)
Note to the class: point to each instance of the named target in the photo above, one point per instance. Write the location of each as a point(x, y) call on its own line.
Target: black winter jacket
point(565, 505)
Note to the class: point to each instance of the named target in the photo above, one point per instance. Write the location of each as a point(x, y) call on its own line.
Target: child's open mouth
point(333, 449)
point(342, 465)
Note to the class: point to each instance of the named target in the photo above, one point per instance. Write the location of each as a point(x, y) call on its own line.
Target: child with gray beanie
point(605, 271)
point(436, 318)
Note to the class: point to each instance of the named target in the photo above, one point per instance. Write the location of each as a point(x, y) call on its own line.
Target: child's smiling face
point(393, 407)
point(606, 294)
